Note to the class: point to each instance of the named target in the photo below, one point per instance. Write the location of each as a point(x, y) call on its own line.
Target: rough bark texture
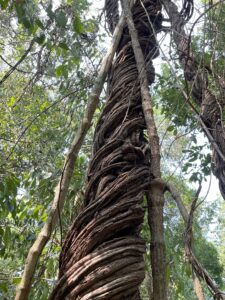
point(196, 76)
point(102, 257)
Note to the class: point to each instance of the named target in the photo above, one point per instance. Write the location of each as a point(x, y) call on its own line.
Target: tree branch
point(13, 68)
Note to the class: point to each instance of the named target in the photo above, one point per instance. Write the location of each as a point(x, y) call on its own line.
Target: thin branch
point(13, 68)
point(188, 231)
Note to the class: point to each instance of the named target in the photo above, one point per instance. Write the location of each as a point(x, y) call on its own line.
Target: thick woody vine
point(102, 255)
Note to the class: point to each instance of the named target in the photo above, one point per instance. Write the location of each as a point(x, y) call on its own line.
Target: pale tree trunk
point(102, 257)
point(158, 251)
point(198, 288)
point(157, 186)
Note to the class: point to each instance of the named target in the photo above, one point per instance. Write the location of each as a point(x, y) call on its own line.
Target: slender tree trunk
point(157, 243)
point(198, 288)
point(102, 257)
point(157, 186)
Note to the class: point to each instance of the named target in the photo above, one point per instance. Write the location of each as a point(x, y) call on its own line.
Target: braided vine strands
point(102, 257)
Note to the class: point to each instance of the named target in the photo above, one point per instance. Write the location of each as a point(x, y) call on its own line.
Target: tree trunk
point(198, 288)
point(102, 257)
point(158, 251)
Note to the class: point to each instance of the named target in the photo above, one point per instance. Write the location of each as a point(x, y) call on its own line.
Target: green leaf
point(185, 167)
point(3, 287)
point(4, 3)
point(194, 177)
point(50, 12)
point(78, 27)
point(44, 293)
point(61, 19)
point(1, 231)
point(40, 39)
point(193, 139)
point(168, 274)
point(11, 101)
point(59, 71)
point(63, 46)
point(90, 26)
point(49, 45)
point(50, 266)
point(16, 280)
point(58, 51)
point(170, 128)
point(7, 236)
point(37, 209)
point(39, 24)
point(26, 22)
point(20, 11)
point(188, 269)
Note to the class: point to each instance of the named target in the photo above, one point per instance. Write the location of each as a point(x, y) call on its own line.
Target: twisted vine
point(102, 256)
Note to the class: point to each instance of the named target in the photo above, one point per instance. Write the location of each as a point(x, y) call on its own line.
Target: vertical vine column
point(102, 256)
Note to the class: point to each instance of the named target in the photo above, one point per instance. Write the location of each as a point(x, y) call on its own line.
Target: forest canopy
point(112, 149)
